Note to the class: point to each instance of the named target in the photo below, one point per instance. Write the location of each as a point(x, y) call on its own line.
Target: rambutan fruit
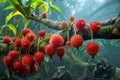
point(24, 70)
point(76, 41)
point(14, 54)
point(63, 24)
point(71, 18)
point(68, 43)
point(7, 39)
point(92, 48)
point(25, 31)
point(39, 56)
point(14, 38)
point(42, 33)
point(30, 36)
point(17, 64)
point(26, 43)
point(80, 24)
point(18, 43)
point(7, 60)
point(44, 15)
point(50, 50)
point(61, 51)
point(34, 68)
point(27, 60)
point(57, 40)
point(95, 26)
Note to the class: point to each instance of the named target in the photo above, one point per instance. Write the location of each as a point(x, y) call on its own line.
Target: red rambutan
point(18, 43)
point(26, 43)
point(39, 56)
point(61, 51)
point(14, 54)
point(63, 24)
point(27, 60)
point(68, 43)
point(25, 31)
point(7, 39)
point(30, 36)
point(71, 18)
point(34, 68)
point(57, 40)
point(7, 60)
point(17, 65)
point(42, 33)
point(80, 24)
point(50, 50)
point(76, 41)
point(92, 48)
point(95, 26)
point(44, 15)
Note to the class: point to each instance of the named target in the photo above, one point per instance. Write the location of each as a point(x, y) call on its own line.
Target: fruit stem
point(7, 32)
point(68, 34)
point(74, 30)
point(29, 49)
point(38, 44)
point(91, 36)
point(93, 57)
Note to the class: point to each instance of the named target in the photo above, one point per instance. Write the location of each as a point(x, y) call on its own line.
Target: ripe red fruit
point(27, 60)
point(25, 31)
point(26, 43)
point(44, 15)
point(42, 33)
point(61, 51)
point(50, 50)
point(95, 26)
point(71, 18)
point(68, 43)
point(80, 24)
point(7, 60)
point(92, 48)
point(63, 24)
point(14, 39)
point(39, 56)
point(17, 65)
point(18, 43)
point(76, 41)
point(57, 40)
point(34, 68)
point(14, 54)
point(24, 70)
point(30, 36)
point(6, 39)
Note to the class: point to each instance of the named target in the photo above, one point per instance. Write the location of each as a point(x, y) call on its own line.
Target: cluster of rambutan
point(76, 40)
point(92, 48)
point(28, 62)
point(55, 46)
point(17, 63)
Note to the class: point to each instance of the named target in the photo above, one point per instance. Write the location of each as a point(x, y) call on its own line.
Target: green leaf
point(47, 58)
point(1, 28)
point(3, 0)
point(55, 7)
point(9, 7)
point(45, 7)
point(26, 3)
point(13, 28)
point(51, 0)
point(17, 5)
point(12, 14)
point(27, 23)
point(1, 37)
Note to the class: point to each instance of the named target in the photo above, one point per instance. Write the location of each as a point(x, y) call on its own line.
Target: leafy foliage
point(24, 9)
